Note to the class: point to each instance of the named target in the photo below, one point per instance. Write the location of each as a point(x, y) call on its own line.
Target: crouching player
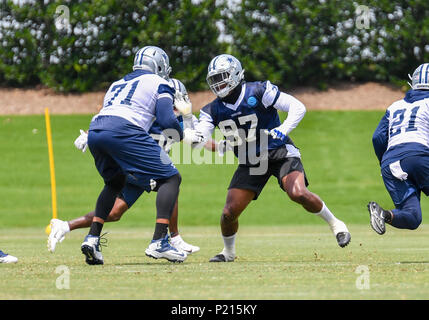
point(401, 143)
point(130, 193)
point(243, 111)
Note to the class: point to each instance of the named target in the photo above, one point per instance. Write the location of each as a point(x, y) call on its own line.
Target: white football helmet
point(224, 74)
point(420, 78)
point(153, 59)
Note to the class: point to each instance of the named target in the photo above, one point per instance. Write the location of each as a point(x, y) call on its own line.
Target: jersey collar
point(238, 102)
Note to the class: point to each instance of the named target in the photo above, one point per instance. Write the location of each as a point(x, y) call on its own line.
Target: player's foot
point(7, 258)
point(181, 245)
point(223, 257)
point(91, 249)
point(376, 216)
point(59, 229)
point(162, 249)
point(341, 233)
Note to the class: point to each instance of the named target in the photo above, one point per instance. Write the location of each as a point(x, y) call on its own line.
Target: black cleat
point(220, 258)
point(90, 257)
point(376, 218)
point(343, 238)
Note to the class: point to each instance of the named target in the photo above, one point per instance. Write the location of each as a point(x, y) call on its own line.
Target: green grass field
point(283, 251)
point(278, 262)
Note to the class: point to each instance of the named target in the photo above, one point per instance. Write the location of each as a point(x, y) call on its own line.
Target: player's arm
point(165, 116)
point(271, 96)
point(205, 125)
point(380, 138)
point(296, 111)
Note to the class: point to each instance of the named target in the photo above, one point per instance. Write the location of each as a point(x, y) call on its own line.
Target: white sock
point(66, 227)
point(229, 245)
point(176, 238)
point(327, 215)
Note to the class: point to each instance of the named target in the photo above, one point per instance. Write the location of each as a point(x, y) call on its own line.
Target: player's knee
point(298, 195)
point(117, 182)
point(178, 178)
point(414, 223)
point(229, 214)
point(115, 216)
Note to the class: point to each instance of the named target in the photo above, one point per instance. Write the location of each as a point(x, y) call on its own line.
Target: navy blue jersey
point(246, 120)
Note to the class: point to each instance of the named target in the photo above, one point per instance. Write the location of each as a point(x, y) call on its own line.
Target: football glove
point(223, 146)
point(279, 132)
point(82, 141)
point(184, 107)
point(191, 136)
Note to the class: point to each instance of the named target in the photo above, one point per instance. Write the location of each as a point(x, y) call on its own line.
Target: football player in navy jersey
point(401, 143)
point(123, 150)
point(247, 115)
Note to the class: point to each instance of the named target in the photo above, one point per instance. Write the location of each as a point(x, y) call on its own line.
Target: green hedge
point(98, 43)
point(312, 42)
point(316, 42)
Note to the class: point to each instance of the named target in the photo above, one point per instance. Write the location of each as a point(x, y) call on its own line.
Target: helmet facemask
point(224, 78)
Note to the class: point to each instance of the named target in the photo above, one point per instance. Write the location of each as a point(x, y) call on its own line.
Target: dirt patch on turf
point(367, 96)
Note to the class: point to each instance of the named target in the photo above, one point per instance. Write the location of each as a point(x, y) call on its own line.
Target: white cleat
point(162, 249)
point(181, 245)
point(7, 258)
point(341, 233)
point(59, 229)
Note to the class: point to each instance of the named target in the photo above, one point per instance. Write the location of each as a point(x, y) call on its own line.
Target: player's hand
point(277, 133)
point(82, 141)
point(184, 107)
point(191, 136)
point(223, 146)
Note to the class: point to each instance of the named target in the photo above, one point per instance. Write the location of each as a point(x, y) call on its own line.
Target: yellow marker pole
point(51, 168)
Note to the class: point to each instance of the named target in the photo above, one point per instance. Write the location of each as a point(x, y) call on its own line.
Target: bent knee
point(115, 216)
point(298, 195)
point(414, 223)
point(230, 213)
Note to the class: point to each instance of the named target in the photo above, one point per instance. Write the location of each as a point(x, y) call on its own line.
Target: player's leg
point(90, 247)
point(176, 239)
point(236, 201)
point(103, 145)
point(403, 181)
point(243, 188)
point(167, 194)
point(406, 215)
point(60, 228)
point(293, 182)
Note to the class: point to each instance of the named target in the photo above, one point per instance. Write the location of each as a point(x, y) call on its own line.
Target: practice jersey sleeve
point(166, 117)
point(295, 109)
point(269, 93)
point(206, 122)
point(380, 137)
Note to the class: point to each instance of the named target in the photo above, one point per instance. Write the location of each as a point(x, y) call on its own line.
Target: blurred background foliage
point(83, 45)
